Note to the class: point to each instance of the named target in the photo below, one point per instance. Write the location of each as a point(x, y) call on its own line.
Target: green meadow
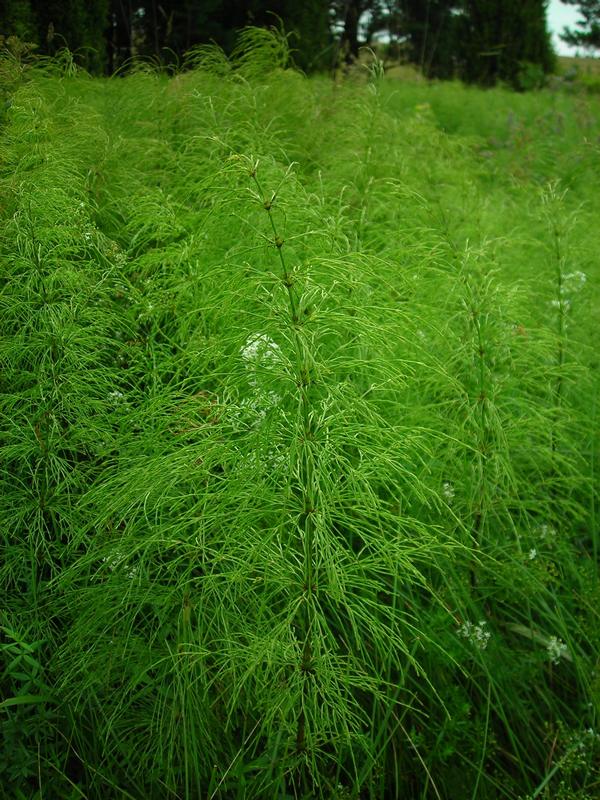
point(299, 434)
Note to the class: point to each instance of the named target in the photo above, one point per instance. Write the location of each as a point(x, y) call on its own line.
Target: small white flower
point(448, 491)
point(561, 305)
point(116, 398)
point(532, 554)
point(477, 635)
point(260, 349)
point(547, 533)
point(556, 648)
point(573, 282)
point(586, 739)
point(115, 561)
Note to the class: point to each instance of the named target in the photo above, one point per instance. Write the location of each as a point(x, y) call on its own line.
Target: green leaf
point(25, 699)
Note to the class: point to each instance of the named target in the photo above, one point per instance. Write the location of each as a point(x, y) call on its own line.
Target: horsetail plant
point(310, 499)
point(297, 470)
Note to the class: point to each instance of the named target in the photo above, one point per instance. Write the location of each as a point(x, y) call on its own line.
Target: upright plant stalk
point(560, 328)
point(308, 486)
point(483, 437)
point(552, 198)
point(474, 302)
point(375, 75)
point(593, 525)
point(483, 302)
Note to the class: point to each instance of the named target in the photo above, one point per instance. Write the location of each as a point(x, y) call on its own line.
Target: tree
point(346, 15)
point(431, 27)
point(502, 40)
point(105, 33)
point(423, 30)
point(173, 26)
point(119, 34)
point(587, 33)
point(481, 41)
point(17, 19)
point(385, 17)
point(79, 25)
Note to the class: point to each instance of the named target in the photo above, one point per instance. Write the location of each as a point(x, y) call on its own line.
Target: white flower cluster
point(573, 282)
point(116, 560)
point(546, 533)
point(448, 491)
point(116, 398)
point(532, 554)
point(590, 733)
point(556, 648)
point(564, 304)
point(586, 740)
point(261, 350)
point(477, 635)
point(89, 230)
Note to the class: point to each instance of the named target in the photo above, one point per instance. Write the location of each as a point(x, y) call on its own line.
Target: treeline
point(480, 41)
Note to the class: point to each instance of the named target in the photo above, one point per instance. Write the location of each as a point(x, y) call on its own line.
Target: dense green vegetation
point(299, 401)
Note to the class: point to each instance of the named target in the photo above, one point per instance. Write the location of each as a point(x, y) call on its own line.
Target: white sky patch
point(559, 17)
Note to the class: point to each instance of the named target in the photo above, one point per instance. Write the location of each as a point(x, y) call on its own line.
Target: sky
point(559, 16)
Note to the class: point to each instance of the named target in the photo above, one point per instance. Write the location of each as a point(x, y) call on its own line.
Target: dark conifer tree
point(79, 25)
point(119, 33)
point(430, 26)
point(587, 32)
point(170, 27)
point(17, 19)
point(501, 40)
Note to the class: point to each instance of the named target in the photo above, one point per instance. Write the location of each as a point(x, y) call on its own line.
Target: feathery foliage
point(300, 433)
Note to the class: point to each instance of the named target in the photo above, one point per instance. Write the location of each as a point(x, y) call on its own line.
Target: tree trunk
point(349, 42)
